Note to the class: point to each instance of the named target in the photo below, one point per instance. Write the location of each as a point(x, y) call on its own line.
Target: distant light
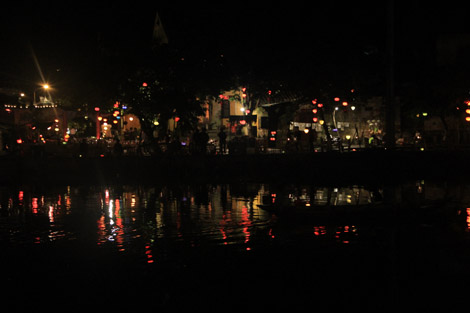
point(320, 105)
point(315, 119)
point(242, 122)
point(425, 114)
point(345, 104)
point(124, 107)
point(348, 137)
point(336, 99)
point(306, 130)
point(353, 107)
point(467, 118)
point(314, 111)
point(19, 141)
point(97, 109)
point(177, 119)
point(131, 118)
point(322, 122)
point(144, 84)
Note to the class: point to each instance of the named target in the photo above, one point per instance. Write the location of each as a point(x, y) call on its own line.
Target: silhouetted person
point(117, 149)
point(195, 141)
point(204, 137)
point(222, 140)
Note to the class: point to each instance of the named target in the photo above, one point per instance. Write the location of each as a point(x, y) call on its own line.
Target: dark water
point(222, 248)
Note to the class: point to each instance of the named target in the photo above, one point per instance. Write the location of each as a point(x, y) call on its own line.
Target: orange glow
point(19, 141)
point(345, 104)
point(468, 218)
point(467, 118)
point(144, 84)
point(34, 205)
point(336, 99)
point(315, 119)
point(314, 111)
point(320, 105)
point(97, 109)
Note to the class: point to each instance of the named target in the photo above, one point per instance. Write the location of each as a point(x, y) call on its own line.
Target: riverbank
point(335, 167)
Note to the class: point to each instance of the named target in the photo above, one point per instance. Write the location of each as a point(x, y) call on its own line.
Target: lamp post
point(45, 86)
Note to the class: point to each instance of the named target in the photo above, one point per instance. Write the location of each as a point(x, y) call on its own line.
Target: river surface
point(232, 247)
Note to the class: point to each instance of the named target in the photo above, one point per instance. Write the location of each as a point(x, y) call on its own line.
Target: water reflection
point(195, 214)
point(199, 233)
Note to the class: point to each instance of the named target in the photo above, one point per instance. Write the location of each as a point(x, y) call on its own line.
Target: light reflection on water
point(214, 214)
point(200, 233)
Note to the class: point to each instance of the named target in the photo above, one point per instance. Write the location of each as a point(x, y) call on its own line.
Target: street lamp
point(45, 86)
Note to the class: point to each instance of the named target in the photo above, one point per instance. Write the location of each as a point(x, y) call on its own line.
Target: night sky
point(296, 40)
